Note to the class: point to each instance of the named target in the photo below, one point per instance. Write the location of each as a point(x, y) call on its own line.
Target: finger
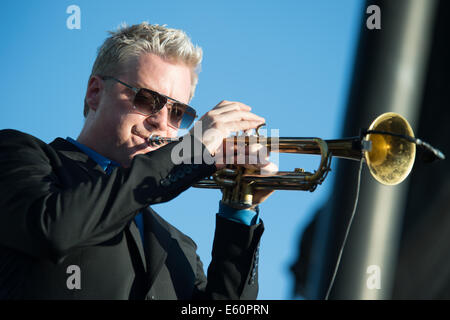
point(240, 115)
point(233, 126)
point(256, 151)
point(261, 195)
point(234, 122)
point(269, 169)
point(255, 148)
point(230, 147)
point(227, 108)
point(224, 103)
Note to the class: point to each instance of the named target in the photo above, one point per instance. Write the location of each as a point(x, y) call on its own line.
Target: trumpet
point(388, 148)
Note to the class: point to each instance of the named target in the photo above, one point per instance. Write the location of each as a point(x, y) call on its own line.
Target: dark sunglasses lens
point(148, 102)
point(181, 116)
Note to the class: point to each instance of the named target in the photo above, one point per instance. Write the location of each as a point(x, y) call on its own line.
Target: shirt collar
point(97, 157)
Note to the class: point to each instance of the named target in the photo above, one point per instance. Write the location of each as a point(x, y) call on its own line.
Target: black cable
point(435, 153)
point(347, 231)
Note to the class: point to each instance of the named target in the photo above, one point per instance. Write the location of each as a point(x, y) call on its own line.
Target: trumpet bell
point(390, 158)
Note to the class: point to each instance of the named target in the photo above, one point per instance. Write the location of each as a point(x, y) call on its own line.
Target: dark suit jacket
point(58, 209)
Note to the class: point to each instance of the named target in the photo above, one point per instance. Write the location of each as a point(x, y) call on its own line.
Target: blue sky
point(290, 60)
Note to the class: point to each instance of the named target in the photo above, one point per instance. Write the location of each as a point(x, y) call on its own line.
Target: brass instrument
point(388, 155)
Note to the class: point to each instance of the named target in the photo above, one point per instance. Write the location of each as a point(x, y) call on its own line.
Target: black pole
point(388, 76)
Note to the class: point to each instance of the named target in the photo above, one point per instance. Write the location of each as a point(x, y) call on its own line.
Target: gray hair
point(132, 41)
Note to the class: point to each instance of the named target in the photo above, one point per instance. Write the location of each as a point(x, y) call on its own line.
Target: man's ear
point(93, 92)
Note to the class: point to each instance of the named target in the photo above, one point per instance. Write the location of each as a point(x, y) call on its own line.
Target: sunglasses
point(148, 102)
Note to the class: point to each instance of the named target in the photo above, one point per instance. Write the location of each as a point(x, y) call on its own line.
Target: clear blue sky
point(290, 60)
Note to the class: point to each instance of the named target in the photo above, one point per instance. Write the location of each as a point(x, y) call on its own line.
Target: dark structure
point(403, 67)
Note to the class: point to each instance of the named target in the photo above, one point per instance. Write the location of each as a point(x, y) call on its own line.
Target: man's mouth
point(140, 135)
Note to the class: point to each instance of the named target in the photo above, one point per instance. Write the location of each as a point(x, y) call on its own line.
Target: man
point(75, 221)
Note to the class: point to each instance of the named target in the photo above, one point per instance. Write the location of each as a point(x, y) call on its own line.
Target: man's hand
point(223, 119)
point(218, 124)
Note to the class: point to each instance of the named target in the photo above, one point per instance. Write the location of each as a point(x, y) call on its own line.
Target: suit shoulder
point(7, 135)
point(13, 140)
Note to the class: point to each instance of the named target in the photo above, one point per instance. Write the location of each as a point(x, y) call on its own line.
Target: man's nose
point(159, 120)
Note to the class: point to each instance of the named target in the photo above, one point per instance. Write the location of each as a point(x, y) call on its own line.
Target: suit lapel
point(70, 151)
point(157, 242)
point(137, 239)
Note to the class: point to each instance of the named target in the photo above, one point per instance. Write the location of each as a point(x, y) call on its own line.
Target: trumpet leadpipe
point(347, 148)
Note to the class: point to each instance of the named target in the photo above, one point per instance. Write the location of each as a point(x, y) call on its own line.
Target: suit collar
point(97, 157)
point(72, 152)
